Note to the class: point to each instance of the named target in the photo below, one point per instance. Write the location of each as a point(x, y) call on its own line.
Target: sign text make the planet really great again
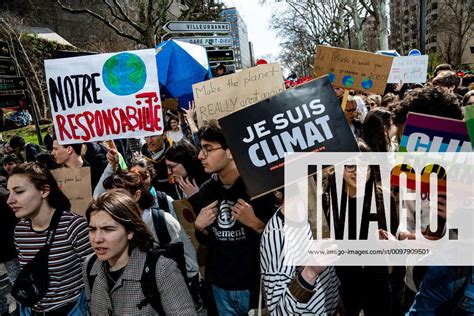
point(105, 96)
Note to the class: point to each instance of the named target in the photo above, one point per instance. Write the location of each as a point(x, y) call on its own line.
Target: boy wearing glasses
point(231, 225)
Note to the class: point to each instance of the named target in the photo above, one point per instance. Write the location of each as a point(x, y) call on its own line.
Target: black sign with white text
point(307, 118)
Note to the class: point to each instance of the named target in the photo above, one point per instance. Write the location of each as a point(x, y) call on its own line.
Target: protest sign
point(353, 69)
point(434, 134)
point(428, 133)
point(76, 185)
point(104, 96)
point(469, 118)
point(224, 95)
point(409, 69)
point(186, 217)
point(302, 119)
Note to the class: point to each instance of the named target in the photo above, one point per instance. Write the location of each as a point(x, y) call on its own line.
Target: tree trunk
point(383, 24)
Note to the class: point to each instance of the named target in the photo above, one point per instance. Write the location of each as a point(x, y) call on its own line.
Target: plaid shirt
point(127, 292)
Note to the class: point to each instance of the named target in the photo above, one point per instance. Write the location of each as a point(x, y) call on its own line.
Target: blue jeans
point(80, 309)
point(230, 303)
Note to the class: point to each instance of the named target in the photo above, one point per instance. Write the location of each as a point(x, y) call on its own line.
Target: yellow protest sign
point(221, 96)
point(353, 69)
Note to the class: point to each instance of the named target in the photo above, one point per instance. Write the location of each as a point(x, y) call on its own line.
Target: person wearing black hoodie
point(231, 225)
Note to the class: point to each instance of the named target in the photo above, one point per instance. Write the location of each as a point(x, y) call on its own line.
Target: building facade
point(239, 35)
point(442, 18)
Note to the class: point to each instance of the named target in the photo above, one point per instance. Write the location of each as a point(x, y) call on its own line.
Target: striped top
point(69, 249)
point(276, 277)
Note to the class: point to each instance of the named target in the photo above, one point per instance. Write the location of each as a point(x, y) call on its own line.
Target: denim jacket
point(445, 291)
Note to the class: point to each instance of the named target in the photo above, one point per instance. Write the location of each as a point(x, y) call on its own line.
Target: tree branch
point(102, 19)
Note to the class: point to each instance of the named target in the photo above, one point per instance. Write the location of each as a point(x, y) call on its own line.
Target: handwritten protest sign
point(104, 96)
point(224, 95)
point(409, 69)
point(353, 69)
point(302, 119)
point(76, 185)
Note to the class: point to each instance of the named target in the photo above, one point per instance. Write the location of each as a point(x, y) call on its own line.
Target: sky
point(257, 17)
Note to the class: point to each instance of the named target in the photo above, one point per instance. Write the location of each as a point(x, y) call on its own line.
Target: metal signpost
point(7, 67)
point(4, 49)
point(14, 88)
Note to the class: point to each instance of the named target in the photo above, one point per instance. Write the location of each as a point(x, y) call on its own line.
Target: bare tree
point(143, 21)
point(305, 24)
point(455, 27)
point(378, 10)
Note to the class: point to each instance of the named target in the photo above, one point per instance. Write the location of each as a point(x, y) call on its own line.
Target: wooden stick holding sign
point(344, 99)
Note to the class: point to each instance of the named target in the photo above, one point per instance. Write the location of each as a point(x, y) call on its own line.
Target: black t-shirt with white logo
point(233, 257)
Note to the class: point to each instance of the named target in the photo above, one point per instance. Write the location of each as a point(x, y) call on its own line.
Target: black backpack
point(148, 280)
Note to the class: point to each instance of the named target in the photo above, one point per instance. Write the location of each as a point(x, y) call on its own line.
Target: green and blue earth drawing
point(124, 74)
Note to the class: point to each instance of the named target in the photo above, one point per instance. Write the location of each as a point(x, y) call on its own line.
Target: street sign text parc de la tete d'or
point(197, 27)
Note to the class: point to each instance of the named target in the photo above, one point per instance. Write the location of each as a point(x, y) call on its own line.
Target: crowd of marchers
point(130, 254)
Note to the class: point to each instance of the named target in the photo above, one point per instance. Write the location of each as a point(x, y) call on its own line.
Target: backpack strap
point(161, 229)
point(162, 201)
point(91, 278)
point(148, 284)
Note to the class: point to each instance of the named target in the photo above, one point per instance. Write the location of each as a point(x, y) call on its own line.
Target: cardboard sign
point(219, 97)
point(76, 185)
point(409, 69)
point(469, 118)
point(186, 217)
point(302, 119)
point(353, 69)
point(104, 96)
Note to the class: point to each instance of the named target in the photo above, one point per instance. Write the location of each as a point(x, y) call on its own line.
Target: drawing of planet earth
point(124, 74)
point(367, 83)
point(332, 77)
point(348, 81)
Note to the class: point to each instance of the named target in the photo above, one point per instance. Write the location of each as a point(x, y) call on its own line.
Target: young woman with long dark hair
point(34, 198)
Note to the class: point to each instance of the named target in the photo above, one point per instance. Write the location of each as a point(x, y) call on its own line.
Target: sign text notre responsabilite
point(105, 96)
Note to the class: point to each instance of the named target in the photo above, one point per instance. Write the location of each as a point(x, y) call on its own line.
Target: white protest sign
point(409, 69)
point(104, 96)
point(221, 96)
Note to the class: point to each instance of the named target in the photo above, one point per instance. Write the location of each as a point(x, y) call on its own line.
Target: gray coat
point(127, 292)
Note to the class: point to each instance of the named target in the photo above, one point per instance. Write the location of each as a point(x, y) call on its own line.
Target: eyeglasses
point(350, 168)
point(207, 150)
point(350, 110)
point(171, 167)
